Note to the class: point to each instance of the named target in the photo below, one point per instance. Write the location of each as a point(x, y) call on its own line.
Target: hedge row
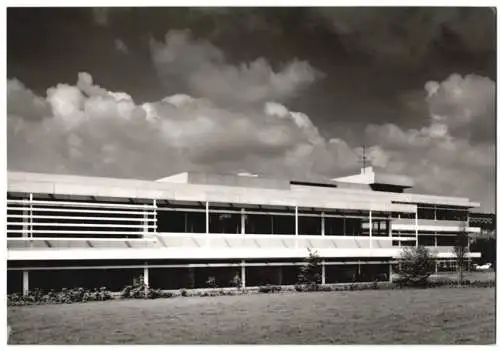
point(64, 296)
point(143, 292)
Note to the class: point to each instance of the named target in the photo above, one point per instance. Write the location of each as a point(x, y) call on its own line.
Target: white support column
point(322, 223)
point(207, 227)
point(416, 228)
point(389, 223)
point(207, 224)
point(323, 273)
point(296, 226)
point(26, 282)
point(390, 272)
point(146, 275)
point(243, 221)
point(243, 274)
point(370, 226)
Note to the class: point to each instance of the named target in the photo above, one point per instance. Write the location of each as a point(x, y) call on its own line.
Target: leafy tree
point(310, 273)
point(416, 264)
point(461, 248)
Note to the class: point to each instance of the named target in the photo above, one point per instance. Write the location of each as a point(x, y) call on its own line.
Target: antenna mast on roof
point(364, 159)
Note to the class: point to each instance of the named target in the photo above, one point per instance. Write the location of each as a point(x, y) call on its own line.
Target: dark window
point(426, 240)
point(425, 213)
point(284, 225)
point(408, 243)
point(171, 221)
point(258, 224)
point(446, 240)
point(334, 226)
point(225, 223)
point(309, 225)
point(353, 226)
point(195, 222)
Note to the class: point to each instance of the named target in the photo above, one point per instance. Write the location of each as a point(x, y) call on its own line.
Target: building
point(485, 221)
point(72, 231)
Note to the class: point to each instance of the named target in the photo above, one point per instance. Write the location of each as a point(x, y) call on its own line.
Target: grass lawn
point(432, 316)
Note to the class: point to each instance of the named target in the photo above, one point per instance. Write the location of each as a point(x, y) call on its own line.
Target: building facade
point(72, 231)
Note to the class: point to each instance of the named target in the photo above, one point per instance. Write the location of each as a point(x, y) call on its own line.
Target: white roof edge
point(175, 178)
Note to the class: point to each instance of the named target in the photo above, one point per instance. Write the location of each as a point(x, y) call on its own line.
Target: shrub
point(269, 288)
point(140, 290)
point(324, 288)
point(416, 264)
point(211, 282)
point(236, 281)
point(310, 274)
point(184, 293)
point(64, 296)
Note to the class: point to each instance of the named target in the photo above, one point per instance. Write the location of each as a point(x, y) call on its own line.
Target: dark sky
point(371, 67)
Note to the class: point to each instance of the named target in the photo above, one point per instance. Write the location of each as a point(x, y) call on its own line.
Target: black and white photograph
point(249, 175)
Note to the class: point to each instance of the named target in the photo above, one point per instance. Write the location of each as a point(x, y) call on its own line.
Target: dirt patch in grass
point(432, 316)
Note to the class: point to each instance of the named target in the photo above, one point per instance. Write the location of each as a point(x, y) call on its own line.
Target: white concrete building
point(69, 231)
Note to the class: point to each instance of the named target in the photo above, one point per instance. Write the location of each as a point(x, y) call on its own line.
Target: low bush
point(184, 293)
point(64, 296)
point(266, 289)
point(139, 290)
point(325, 288)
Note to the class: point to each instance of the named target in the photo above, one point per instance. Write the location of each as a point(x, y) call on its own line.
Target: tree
point(416, 264)
point(310, 273)
point(461, 248)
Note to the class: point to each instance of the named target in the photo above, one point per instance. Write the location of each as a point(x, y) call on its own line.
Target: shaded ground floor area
point(419, 316)
point(179, 274)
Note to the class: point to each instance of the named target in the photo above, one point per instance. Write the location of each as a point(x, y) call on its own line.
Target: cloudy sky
point(285, 92)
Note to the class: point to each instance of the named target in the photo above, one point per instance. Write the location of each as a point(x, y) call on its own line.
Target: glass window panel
point(284, 225)
point(195, 222)
point(334, 226)
point(258, 224)
point(225, 223)
point(171, 221)
point(426, 240)
point(446, 240)
point(309, 225)
point(353, 226)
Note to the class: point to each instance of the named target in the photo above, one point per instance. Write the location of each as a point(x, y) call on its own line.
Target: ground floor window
point(191, 277)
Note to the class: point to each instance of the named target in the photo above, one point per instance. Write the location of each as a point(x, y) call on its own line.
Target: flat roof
point(284, 194)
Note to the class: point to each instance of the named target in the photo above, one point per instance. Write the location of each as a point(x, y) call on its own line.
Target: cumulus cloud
point(202, 69)
point(465, 105)
point(22, 102)
point(91, 130)
point(453, 154)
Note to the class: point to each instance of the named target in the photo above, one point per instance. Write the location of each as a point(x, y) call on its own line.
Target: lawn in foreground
point(432, 316)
